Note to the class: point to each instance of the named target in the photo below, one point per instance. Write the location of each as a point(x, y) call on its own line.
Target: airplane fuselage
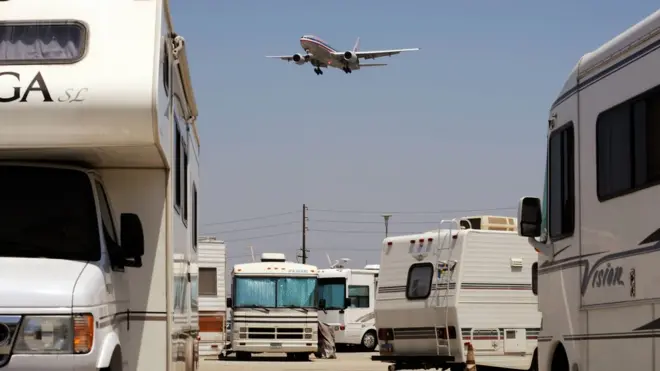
point(320, 51)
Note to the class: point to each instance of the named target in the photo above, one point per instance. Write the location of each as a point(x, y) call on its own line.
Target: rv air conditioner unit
point(489, 223)
point(273, 257)
point(372, 267)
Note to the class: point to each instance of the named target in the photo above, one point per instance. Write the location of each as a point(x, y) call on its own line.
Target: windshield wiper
point(254, 306)
point(296, 307)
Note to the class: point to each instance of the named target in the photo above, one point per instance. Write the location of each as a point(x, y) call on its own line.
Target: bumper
point(60, 362)
point(303, 346)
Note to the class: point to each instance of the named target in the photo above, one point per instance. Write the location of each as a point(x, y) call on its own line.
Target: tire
point(369, 341)
point(115, 361)
point(535, 362)
point(243, 356)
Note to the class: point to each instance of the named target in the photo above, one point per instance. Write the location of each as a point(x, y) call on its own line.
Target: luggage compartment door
point(515, 340)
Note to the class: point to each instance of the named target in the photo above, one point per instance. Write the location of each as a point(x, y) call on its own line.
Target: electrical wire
point(253, 218)
point(254, 228)
point(372, 222)
point(262, 236)
point(414, 212)
point(356, 231)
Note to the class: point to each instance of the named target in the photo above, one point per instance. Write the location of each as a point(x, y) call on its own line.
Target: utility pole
point(387, 217)
point(304, 235)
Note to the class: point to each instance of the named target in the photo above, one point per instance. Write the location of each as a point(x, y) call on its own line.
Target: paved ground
point(344, 362)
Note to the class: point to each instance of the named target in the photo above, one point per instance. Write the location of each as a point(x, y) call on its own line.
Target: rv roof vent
point(273, 257)
point(372, 267)
point(489, 223)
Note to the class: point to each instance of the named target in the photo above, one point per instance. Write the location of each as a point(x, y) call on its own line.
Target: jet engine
point(350, 57)
point(300, 59)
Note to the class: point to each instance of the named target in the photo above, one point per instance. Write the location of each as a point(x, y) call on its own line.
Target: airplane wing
point(381, 53)
point(287, 58)
point(372, 64)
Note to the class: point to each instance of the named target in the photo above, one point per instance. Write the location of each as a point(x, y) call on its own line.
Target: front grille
point(8, 329)
point(274, 333)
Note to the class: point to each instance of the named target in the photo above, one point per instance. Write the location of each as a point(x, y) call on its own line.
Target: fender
point(110, 342)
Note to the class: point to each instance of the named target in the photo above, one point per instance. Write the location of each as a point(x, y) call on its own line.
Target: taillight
point(385, 334)
point(442, 333)
point(342, 327)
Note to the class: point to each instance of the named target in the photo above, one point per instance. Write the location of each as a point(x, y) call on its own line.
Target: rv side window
point(535, 278)
point(177, 164)
point(561, 182)
point(185, 184)
point(42, 42)
point(179, 293)
point(194, 216)
point(207, 282)
point(418, 285)
point(627, 158)
point(359, 296)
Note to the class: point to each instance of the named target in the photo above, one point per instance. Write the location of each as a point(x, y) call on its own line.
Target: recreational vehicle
point(349, 304)
point(274, 308)
point(212, 296)
point(99, 166)
point(459, 284)
point(596, 229)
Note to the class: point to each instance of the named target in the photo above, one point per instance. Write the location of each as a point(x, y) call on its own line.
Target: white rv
point(274, 308)
point(212, 296)
point(349, 303)
point(441, 289)
point(99, 167)
point(597, 231)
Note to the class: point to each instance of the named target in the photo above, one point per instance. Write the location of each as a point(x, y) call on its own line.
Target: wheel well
point(559, 359)
point(116, 362)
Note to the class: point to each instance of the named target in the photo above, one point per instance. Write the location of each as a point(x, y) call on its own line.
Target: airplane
point(321, 55)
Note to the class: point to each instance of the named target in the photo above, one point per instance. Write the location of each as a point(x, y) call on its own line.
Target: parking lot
point(344, 362)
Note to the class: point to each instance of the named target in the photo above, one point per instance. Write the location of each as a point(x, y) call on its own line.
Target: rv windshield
point(275, 292)
point(47, 213)
point(333, 290)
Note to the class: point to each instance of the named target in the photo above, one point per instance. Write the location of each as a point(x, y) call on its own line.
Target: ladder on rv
point(443, 281)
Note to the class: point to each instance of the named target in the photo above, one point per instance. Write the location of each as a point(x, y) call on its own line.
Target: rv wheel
point(369, 341)
point(243, 356)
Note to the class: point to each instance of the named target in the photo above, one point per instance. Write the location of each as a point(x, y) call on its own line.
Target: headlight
point(55, 334)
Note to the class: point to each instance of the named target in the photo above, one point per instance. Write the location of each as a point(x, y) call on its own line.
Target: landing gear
point(346, 69)
point(318, 71)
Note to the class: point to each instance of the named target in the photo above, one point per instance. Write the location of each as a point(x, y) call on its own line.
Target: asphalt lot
point(353, 361)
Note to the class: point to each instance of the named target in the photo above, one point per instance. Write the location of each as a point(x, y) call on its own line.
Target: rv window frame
point(176, 162)
point(558, 133)
point(410, 270)
point(84, 27)
point(635, 184)
point(195, 230)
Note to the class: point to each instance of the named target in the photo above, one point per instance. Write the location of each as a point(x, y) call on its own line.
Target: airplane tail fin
point(356, 47)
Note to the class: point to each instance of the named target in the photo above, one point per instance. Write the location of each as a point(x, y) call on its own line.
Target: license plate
point(275, 345)
point(386, 348)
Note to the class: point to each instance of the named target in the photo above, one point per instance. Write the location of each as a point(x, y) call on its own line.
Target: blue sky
point(459, 125)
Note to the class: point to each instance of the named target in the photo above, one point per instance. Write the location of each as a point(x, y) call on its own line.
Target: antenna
point(341, 263)
point(329, 261)
point(252, 252)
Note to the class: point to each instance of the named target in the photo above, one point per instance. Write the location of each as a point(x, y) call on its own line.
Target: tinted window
point(177, 164)
point(359, 296)
point(418, 285)
point(561, 182)
point(31, 43)
point(208, 281)
point(628, 158)
point(47, 212)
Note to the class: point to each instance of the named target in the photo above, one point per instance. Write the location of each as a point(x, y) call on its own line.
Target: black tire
point(369, 341)
point(115, 361)
point(560, 359)
point(535, 361)
point(243, 356)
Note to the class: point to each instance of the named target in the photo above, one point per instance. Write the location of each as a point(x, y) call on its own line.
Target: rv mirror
point(347, 302)
point(230, 303)
point(322, 304)
point(529, 217)
point(132, 239)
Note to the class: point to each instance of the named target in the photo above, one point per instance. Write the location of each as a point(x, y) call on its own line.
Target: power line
point(254, 228)
point(253, 218)
point(414, 212)
point(371, 222)
point(261, 237)
point(357, 231)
